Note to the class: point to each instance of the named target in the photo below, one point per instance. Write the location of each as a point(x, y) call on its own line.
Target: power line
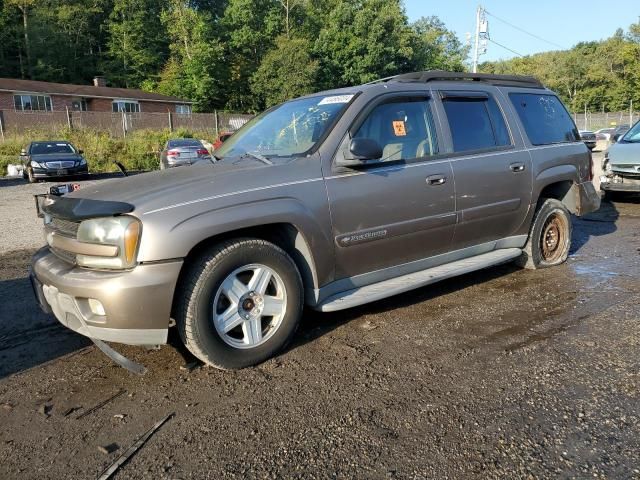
point(506, 48)
point(523, 31)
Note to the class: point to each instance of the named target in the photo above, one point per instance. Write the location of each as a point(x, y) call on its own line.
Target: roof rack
point(435, 75)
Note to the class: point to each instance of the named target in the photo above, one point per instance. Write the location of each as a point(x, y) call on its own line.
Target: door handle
point(517, 167)
point(436, 179)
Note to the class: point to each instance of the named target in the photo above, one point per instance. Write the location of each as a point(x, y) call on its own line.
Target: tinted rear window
point(187, 142)
point(545, 119)
point(475, 123)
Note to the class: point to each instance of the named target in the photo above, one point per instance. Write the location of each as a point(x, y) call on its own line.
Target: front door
point(491, 167)
point(399, 209)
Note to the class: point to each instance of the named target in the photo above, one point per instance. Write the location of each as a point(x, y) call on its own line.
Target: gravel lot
point(502, 373)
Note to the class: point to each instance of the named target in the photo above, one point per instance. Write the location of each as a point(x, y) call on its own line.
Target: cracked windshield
point(290, 129)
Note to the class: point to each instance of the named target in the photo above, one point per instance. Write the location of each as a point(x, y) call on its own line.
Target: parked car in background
point(331, 200)
point(221, 139)
point(604, 134)
point(589, 138)
point(618, 132)
point(182, 151)
point(52, 159)
point(621, 164)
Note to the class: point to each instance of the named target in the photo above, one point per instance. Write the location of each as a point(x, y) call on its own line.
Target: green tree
point(286, 72)
point(137, 45)
point(436, 47)
point(195, 68)
point(25, 7)
point(249, 28)
point(10, 42)
point(364, 40)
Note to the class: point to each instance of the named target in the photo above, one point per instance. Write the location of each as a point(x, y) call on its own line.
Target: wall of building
point(6, 101)
point(62, 102)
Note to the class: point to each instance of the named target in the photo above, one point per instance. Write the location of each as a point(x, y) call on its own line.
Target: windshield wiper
point(262, 158)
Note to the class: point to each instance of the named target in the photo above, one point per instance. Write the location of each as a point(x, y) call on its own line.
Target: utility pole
point(482, 35)
point(476, 44)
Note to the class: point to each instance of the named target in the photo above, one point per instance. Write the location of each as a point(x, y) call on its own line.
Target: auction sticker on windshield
point(336, 99)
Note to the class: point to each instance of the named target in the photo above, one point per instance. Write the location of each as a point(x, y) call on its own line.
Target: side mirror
point(365, 149)
point(616, 137)
point(80, 152)
point(23, 153)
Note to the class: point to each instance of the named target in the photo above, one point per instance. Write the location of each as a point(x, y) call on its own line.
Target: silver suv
point(328, 201)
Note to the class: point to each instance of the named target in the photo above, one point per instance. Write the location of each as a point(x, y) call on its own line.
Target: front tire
point(550, 236)
point(240, 303)
point(30, 176)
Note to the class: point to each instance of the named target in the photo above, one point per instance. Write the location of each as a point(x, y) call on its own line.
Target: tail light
point(202, 151)
point(173, 153)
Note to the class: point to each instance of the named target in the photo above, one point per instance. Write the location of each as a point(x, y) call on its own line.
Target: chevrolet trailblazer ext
point(331, 200)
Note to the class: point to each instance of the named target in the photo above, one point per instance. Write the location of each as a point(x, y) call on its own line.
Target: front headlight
point(81, 162)
point(123, 232)
point(607, 166)
point(36, 164)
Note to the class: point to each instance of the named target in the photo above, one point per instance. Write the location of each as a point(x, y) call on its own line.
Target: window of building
point(183, 109)
point(475, 120)
point(545, 118)
point(79, 104)
point(28, 102)
point(129, 106)
point(403, 127)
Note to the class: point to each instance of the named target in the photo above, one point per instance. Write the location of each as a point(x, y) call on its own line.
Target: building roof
point(87, 91)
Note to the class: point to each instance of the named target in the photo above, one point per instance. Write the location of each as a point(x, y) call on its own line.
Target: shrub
point(140, 150)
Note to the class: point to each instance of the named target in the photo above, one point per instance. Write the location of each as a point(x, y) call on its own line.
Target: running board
point(394, 286)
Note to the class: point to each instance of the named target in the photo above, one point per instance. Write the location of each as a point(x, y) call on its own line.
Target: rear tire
point(240, 303)
point(550, 236)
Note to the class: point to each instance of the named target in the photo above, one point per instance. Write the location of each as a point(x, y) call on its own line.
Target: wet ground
point(501, 373)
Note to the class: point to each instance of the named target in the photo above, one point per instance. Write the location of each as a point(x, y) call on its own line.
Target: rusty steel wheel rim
point(553, 238)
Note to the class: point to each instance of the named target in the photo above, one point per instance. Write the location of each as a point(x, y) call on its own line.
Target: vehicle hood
point(149, 191)
point(624, 154)
point(55, 157)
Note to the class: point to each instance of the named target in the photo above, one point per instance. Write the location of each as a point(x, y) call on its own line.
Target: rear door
point(490, 165)
point(401, 208)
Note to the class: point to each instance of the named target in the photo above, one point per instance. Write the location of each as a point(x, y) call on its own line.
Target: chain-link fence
point(118, 125)
point(597, 120)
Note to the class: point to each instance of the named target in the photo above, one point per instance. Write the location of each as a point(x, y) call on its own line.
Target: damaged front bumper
point(616, 182)
point(134, 306)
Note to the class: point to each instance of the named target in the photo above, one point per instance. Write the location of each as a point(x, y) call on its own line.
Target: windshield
point(290, 129)
point(42, 148)
point(633, 135)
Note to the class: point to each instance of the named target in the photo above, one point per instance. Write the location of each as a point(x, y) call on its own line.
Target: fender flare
point(313, 250)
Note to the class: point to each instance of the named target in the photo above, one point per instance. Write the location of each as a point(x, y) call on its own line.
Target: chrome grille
point(68, 229)
point(64, 227)
point(61, 164)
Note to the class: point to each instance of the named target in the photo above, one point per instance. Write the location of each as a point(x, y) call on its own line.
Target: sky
point(561, 22)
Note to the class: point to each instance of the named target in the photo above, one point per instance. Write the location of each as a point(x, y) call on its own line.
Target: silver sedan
point(183, 151)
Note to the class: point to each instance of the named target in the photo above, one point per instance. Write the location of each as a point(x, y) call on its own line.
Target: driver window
point(403, 127)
